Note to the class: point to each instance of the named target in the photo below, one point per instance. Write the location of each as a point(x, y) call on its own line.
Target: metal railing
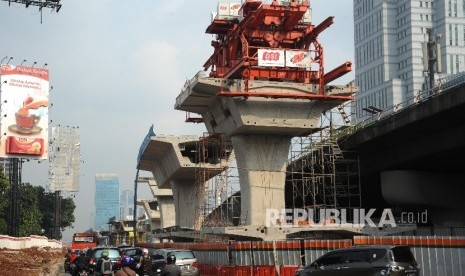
point(447, 83)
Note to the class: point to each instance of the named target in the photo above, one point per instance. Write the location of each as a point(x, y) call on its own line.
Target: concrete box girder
point(164, 159)
point(174, 164)
point(232, 115)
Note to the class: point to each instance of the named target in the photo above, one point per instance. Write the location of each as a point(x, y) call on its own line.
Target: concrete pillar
point(167, 211)
point(260, 130)
point(261, 162)
point(185, 202)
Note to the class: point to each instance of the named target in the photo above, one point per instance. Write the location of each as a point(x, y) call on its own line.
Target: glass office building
point(107, 198)
point(127, 205)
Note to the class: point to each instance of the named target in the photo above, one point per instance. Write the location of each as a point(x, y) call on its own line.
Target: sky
point(116, 68)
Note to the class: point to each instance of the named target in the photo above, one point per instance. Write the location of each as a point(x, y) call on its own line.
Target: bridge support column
point(166, 205)
point(186, 203)
point(261, 162)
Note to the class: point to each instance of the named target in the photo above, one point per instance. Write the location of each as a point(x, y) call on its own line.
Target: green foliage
point(47, 204)
point(30, 215)
point(67, 212)
point(37, 209)
point(4, 184)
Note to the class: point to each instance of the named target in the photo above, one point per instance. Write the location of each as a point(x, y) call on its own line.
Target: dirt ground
point(31, 262)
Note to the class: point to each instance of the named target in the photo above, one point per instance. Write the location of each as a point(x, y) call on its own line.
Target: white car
point(185, 259)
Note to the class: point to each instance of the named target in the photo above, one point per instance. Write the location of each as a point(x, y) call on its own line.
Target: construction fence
point(436, 255)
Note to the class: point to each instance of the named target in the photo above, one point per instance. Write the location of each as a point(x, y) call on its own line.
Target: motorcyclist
point(68, 259)
point(126, 270)
point(81, 263)
point(171, 269)
point(104, 258)
point(144, 264)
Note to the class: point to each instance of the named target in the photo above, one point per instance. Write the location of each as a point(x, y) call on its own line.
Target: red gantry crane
point(275, 42)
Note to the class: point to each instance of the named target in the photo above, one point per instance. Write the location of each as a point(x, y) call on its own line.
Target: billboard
point(145, 143)
point(65, 159)
point(270, 57)
point(297, 58)
point(284, 58)
point(24, 112)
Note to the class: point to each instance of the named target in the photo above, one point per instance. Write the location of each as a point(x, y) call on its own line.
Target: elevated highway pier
point(413, 158)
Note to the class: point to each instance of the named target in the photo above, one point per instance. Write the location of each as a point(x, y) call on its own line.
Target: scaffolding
point(216, 199)
point(321, 175)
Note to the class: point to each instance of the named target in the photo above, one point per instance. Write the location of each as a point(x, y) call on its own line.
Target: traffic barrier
point(227, 270)
point(288, 252)
point(263, 253)
point(242, 253)
point(265, 271)
point(244, 271)
point(211, 253)
point(288, 270)
point(204, 269)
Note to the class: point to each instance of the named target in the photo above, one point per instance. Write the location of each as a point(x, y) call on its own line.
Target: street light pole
point(431, 58)
point(134, 209)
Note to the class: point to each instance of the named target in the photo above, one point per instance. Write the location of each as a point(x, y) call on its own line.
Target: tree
point(37, 209)
point(30, 216)
point(47, 207)
point(67, 212)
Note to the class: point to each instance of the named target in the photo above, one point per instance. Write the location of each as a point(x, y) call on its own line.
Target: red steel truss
point(270, 26)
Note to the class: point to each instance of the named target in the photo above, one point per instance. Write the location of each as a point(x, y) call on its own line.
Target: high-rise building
point(106, 200)
point(127, 205)
point(388, 37)
point(5, 164)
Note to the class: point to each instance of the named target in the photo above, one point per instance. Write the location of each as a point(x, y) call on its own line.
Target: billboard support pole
point(14, 197)
point(57, 224)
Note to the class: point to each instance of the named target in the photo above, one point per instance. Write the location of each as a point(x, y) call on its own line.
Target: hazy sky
point(116, 68)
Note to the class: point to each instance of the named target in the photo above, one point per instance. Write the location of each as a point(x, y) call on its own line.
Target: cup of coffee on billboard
point(26, 121)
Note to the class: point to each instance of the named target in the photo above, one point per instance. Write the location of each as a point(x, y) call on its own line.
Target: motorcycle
point(66, 265)
point(83, 273)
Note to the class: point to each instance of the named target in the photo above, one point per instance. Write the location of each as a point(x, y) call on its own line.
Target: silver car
point(364, 260)
point(185, 259)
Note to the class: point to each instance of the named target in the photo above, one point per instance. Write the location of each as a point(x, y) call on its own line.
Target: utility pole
point(432, 57)
point(134, 210)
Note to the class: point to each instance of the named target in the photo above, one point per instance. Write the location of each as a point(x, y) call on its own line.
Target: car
point(131, 251)
point(364, 260)
point(123, 247)
point(185, 259)
point(96, 253)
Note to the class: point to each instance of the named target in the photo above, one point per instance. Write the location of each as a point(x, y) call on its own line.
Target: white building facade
point(388, 39)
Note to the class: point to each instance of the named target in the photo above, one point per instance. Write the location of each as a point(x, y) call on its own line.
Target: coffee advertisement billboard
point(24, 112)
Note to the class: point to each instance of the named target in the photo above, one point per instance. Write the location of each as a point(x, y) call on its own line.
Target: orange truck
point(84, 240)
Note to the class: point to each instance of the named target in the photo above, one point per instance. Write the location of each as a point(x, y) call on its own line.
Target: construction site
point(275, 126)
point(266, 85)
